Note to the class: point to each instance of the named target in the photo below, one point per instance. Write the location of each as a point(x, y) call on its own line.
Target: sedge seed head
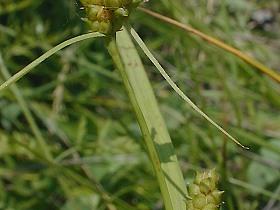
point(203, 192)
point(107, 16)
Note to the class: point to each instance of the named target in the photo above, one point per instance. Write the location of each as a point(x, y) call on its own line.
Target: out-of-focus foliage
point(78, 103)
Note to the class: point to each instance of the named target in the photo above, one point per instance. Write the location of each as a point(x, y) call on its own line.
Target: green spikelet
point(204, 193)
point(107, 16)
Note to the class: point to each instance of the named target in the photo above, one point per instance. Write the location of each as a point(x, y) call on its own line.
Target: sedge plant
point(107, 19)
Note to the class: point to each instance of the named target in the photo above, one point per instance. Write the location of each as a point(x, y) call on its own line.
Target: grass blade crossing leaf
point(176, 88)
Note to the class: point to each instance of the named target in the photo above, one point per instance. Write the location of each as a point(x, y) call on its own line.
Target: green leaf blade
point(153, 127)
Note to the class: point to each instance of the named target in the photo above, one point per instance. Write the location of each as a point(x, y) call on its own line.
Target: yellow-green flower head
point(107, 16)
point(204, 193)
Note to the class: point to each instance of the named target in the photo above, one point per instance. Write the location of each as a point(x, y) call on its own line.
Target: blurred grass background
point(83, 114)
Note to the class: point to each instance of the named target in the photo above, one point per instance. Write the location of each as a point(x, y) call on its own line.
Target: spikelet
point(203, 192)
point(107, 16)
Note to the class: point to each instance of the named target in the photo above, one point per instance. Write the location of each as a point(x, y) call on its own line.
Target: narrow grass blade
point(266, 70)
point(43, 57)
point(176, 88)
point(156, 136)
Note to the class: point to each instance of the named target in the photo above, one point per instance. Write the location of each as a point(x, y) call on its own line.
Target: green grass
point(82, 112)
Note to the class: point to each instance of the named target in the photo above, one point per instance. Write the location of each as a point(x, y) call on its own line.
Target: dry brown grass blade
point(264, 69)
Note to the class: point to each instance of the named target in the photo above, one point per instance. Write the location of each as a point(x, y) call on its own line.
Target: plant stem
point(152, 126)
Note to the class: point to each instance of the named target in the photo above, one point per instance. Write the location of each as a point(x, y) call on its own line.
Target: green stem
point(155, 134)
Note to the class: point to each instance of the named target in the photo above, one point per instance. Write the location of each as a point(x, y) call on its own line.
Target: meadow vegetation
point(69, 138)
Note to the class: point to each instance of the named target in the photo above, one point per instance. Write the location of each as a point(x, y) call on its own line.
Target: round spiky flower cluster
point(204, 193)
point(107, 16)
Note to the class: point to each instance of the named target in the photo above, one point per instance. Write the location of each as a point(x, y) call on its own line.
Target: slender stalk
point(46, 55)
point(266, 70)
point(153, 128)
